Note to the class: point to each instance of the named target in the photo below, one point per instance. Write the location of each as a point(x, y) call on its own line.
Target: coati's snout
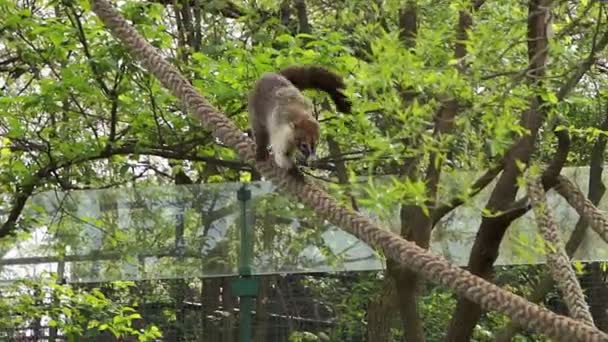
point(307, 150)
point(306, 136)
point(306, 153)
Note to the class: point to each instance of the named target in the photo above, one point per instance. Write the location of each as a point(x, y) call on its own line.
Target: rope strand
point(476, 289)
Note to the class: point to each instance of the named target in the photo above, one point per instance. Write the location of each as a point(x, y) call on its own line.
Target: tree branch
point(475, 189)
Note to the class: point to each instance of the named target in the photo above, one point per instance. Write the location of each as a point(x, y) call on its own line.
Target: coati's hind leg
point(261, 140)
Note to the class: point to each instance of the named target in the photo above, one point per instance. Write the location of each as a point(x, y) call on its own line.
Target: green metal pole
point(246, 253)
point(246, 287)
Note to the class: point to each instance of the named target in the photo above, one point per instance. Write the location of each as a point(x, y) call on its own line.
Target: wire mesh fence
point(205, 309)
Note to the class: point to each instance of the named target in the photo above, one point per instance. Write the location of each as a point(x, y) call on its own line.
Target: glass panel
point(193, 231)
point(453, 237)
point(135, 233)
point(176, 232)
point(290, 238)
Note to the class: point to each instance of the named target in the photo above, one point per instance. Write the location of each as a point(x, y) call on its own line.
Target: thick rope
point(557, 259)
point(583, 206)
point(476, 289)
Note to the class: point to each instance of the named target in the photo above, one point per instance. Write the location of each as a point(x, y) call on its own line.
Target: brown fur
point(307, 130)
point(279, 112)
point(315, 77)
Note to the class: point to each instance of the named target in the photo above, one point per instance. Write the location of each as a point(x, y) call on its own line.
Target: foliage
point(75, 312)
point(79, 113)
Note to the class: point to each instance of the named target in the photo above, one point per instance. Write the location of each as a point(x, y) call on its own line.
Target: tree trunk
point(380, 309)
point(210, 294)
point(491, 231)
point(261, 310)
point(415, 225)
point(598, 294)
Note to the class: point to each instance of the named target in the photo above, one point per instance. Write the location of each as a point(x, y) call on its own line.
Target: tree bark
point(262, 315)
point(597, 292)
point(415, 224)
point(210, 294)
point(380, 313)
point(491, 231)
point(228, 305)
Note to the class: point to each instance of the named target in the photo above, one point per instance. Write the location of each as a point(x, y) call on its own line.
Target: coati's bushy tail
point(316, 77)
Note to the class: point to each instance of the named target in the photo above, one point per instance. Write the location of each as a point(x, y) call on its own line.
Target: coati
point(280, 115)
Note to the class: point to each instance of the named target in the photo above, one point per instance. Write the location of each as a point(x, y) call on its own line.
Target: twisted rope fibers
point(476, 289)
point(583, 206)
point(557, 259)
